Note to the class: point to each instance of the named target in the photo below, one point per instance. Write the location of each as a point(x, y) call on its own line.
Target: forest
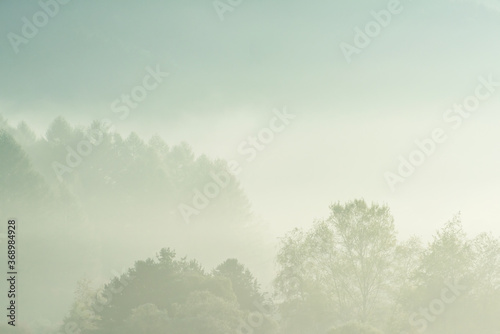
point(114, 205)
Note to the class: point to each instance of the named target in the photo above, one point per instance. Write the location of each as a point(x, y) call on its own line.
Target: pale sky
point(352, 120)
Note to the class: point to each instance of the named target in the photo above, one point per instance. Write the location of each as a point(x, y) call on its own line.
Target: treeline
point(348, 274)
point(170, 295)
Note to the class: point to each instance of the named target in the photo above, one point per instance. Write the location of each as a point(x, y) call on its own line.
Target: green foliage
point(18, 180)
point(161, 176)
point(339, 269)
point(60, 131)
point(453, 258)
point(348, 267)
point(203, 312)
point(243, 283)
point(111, 190)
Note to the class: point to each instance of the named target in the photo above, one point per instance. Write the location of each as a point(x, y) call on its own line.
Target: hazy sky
point(352, 121)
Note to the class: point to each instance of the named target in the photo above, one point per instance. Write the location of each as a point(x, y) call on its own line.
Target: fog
point(250, 167)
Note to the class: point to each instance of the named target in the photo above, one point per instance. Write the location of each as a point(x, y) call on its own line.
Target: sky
point(353, 119)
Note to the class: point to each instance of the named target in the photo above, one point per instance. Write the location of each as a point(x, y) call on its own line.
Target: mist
point(250, 167)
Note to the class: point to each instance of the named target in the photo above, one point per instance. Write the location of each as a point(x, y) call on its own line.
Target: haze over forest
point(255, 139)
